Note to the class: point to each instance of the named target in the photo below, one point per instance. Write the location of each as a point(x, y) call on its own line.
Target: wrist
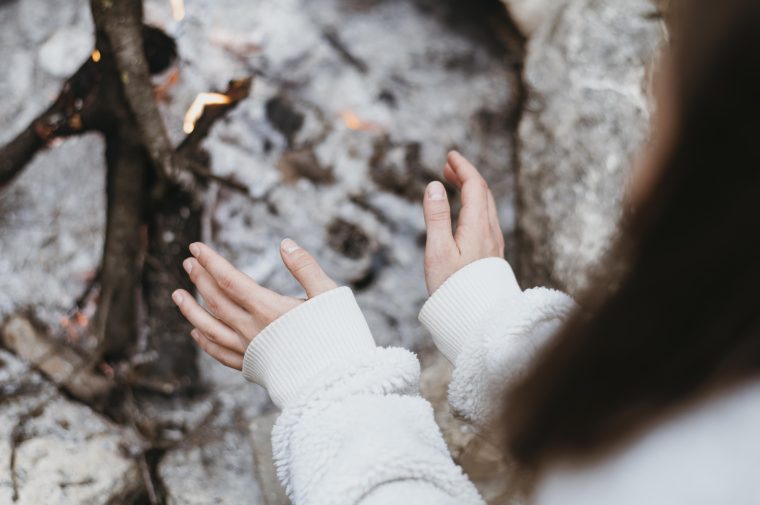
point(457, 307)
point(323, 332)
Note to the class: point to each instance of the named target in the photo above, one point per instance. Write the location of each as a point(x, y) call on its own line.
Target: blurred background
point(131, 130)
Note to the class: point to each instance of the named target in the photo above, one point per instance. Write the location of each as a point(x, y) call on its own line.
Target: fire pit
point(321, 120)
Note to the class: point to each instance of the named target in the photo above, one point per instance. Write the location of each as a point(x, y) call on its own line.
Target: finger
point(461, 167)
point(474, 213)
point(241, 288)
point(305, 269)
point(437, 213)
point(223, 355)
point(213, 328)
point(218, 303)
point(451, 176)
point(474, 187)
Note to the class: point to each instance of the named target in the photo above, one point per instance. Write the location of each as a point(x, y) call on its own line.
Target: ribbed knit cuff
point(454, 310)
point(324, 331)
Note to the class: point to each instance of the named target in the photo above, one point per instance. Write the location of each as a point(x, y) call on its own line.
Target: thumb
point(437, 219)
point(305, 269)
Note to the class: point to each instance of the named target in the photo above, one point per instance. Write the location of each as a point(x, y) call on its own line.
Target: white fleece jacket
point(354, 429)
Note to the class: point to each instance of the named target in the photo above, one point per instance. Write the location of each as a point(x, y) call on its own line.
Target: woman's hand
point(478, 234)
point(237, 307)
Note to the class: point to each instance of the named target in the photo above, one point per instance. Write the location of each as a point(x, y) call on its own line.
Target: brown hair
point(685, 314)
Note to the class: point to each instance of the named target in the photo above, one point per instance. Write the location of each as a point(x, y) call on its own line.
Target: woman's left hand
point(238, 308)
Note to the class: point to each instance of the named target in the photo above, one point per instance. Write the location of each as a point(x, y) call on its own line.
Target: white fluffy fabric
point(354, 429)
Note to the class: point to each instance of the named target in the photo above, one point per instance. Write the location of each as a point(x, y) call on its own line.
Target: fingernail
point(194, 334)
point(194, 249)
point(289, 245)
point(177, 297)
point(187, 265)
point(436, 191)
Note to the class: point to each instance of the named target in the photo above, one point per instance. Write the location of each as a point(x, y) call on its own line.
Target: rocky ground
point(353, 107)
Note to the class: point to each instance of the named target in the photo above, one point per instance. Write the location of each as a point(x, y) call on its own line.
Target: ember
point(354, 122)
point(74, 325)
point(196, 109)
point(81, 319)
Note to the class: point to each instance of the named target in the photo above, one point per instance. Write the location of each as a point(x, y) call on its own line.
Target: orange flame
point(81, 319)
point(178, 9)
point(354, 122)
point(95, 55)
point(196, 109)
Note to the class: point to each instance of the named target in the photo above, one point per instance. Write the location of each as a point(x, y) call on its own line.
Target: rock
point(213, 463)
point(586, 115)
point(213, 467)
point(56, 451)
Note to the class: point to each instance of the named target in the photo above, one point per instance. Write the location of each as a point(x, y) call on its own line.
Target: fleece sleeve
point(353, 428)
point(490, 330)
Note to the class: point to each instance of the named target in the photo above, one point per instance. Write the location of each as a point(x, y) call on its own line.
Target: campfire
point(348, 124)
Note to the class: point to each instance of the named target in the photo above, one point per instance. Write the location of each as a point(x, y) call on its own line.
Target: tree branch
point(17, 153)
point(121, 23)
point(72, 112)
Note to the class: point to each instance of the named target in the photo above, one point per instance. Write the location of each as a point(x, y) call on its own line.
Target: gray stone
point(214, 462)
point(212, 466)
point(56, 451)
point(216, 468)
point(587, 113)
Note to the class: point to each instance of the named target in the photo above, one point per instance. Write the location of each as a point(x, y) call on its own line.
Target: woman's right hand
point(478, 234)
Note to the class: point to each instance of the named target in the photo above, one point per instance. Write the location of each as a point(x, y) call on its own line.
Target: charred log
point(174, 221)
